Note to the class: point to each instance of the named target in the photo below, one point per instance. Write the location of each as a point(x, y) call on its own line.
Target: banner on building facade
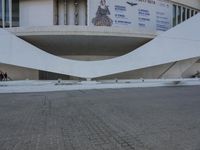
point(142, 15)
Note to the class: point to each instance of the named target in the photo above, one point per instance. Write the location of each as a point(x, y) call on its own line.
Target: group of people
point(3, 76)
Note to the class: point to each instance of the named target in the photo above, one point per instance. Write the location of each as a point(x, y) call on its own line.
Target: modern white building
point(93, 31)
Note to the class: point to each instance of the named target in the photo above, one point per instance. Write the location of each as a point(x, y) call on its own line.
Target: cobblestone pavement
point(121, 119)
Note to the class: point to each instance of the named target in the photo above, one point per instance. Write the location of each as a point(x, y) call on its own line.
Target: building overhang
point(83, 40)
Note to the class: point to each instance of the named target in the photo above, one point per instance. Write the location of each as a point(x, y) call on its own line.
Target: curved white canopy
point(179, 43)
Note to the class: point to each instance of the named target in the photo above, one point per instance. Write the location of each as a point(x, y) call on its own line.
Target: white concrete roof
point(179, 43)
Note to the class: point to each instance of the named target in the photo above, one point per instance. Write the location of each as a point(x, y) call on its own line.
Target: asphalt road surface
point(164, 118)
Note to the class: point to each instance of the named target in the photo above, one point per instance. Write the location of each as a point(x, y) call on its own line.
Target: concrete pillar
point(55, 12)
point(82, 12)
point(70, 12)
point(61, 12)
point(76, 12)
point(176, 14)
point(65, 12)
point(10, 13)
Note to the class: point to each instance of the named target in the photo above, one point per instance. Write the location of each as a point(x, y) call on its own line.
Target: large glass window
point(179, 14)
point(174, 15)
point(188, 13)
point(192, 13)
point(70, 12)
point(7, 23)
point(9, 13)
point(183, 14)
point(15, 13)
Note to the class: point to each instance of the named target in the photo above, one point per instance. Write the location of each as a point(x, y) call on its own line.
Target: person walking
point(1, 76)
point(5, 76)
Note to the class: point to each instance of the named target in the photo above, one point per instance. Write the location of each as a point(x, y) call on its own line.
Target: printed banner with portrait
point(142, 15)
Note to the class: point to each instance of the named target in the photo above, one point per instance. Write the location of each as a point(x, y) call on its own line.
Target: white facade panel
point(36, 13)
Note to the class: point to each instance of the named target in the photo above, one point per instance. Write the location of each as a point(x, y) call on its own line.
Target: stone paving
point(166, 118)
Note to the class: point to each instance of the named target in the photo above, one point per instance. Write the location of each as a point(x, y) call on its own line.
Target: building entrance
point(43, 75)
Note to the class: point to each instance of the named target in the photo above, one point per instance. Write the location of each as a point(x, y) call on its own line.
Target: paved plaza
point(162, 118)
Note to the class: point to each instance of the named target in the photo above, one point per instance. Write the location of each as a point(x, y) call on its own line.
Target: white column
point(185, 15)
point(82, 12)
point(65, 12)
point(176, 14)
point(1, 9)
point(87, 12)
point(3, 13)
point(61, 12)
point(76, 12)
point(70, 12)
point(10, 13)
point(182, 14)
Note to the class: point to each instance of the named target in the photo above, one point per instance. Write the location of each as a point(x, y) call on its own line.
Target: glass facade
point(70, 12)
point(179, 14)
point(188, 13)
point(174, 15)
point(15, 13)
point(192, 12)
point(7, 9)
point(1, 22)
point(9, 13)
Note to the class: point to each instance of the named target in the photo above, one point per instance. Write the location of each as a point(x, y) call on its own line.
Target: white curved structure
point(179, 43)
